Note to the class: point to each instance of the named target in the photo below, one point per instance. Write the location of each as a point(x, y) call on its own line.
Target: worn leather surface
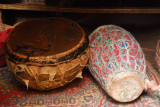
point(49, 41)
point(45, 36)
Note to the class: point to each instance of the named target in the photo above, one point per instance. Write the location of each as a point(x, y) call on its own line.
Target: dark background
point(145, 27)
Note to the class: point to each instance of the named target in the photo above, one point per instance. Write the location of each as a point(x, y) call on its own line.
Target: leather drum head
point(45, 36)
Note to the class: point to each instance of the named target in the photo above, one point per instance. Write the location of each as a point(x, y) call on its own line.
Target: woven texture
point(116, 55)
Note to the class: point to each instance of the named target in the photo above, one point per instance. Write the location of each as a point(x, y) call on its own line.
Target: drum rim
point(81, 43)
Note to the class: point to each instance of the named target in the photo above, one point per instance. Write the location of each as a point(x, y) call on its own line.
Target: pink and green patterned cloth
point(114, 50)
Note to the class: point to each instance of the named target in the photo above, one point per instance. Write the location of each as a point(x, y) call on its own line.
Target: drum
point(117, 62)
point(47, 53)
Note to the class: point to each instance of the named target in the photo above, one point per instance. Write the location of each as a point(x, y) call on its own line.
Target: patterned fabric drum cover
point(117, 62)
point(47, 53)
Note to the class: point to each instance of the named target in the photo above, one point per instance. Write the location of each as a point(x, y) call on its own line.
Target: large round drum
point(47, 53)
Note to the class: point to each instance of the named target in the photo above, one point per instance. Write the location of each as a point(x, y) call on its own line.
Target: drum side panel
point(47, 77)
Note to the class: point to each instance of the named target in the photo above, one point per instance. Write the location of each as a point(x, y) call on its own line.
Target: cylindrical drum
point(47, 53)
point(117, 62)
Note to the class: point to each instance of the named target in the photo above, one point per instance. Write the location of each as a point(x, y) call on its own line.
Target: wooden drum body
point(47, 53)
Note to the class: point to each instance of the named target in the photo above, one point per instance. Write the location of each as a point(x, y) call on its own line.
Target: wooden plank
point(117, 10)
point(27, 7)
point(77, 9)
